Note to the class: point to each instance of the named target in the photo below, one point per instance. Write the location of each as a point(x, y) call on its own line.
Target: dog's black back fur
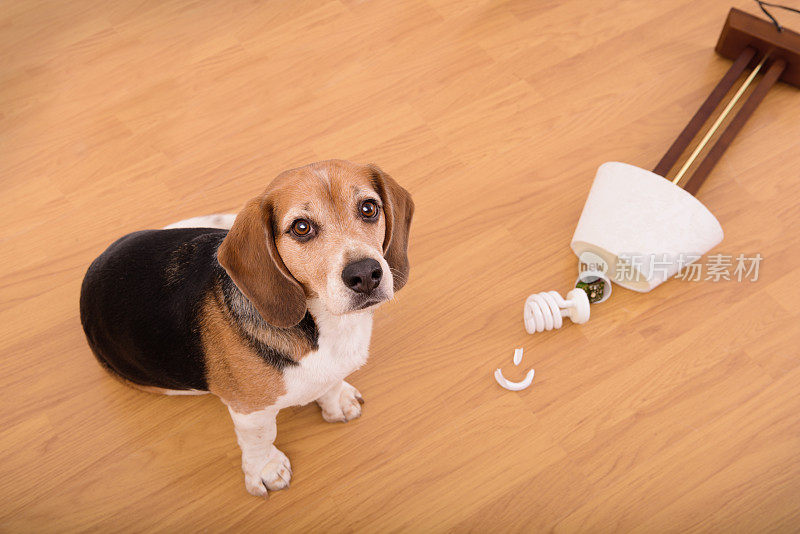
point(139, 303)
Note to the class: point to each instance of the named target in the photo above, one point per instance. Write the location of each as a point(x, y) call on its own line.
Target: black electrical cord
point(777, 24)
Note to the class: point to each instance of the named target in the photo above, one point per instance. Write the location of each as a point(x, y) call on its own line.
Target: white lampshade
point(645, 227)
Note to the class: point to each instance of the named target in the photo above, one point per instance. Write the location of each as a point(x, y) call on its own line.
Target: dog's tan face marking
point(333, 230)
point(327, 215)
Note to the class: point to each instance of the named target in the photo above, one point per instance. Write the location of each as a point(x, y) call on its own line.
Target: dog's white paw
point(342, 407)
point(273, 475)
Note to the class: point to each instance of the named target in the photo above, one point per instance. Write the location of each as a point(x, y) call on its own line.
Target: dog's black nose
point(362, 276)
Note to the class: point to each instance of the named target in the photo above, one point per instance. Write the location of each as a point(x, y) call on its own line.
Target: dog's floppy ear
point(250, 257)
point(398, 208)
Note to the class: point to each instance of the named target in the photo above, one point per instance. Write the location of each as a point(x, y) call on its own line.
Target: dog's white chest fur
point(343, 348)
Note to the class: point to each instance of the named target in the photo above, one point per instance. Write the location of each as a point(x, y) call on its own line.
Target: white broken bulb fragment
point(514, 386)
point(517, 356)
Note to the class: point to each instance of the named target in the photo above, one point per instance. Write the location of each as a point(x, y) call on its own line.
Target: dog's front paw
point(342, 405)
point(273, 475)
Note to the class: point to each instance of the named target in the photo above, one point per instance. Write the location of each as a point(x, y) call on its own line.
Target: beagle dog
point(275, 312)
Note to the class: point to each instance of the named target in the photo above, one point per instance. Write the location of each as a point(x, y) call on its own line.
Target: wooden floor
point(676, 410)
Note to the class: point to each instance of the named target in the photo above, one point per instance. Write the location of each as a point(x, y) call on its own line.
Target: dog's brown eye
point(369, 209)
point(301, 227)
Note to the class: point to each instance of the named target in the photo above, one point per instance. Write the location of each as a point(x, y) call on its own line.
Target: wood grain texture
point(677, 410)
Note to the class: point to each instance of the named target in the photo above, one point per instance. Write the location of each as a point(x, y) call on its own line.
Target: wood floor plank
point(672, 411)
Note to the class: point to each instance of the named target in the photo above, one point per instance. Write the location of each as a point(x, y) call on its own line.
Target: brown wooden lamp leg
point(744, 37)
point(704, 112)
point(699, 176)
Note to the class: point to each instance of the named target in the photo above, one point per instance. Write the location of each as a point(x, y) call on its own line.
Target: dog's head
point(332, 230)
